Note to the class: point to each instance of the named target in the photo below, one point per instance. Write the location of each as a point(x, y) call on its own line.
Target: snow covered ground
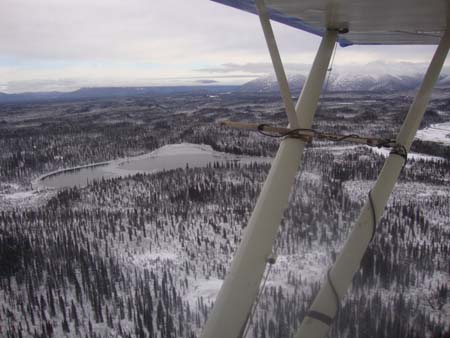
point(21, 195)
point(310, 265)
point(439, 132)
point(357, 190)
point(148, 259)
point(204, 290)
point(14, 196)
point(411, 155)
point(181, 149)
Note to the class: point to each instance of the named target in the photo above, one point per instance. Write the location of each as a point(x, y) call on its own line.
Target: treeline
point(32, 151)
point(93, 254)
point(129, 256)
point(78, 133)
point(78, 273)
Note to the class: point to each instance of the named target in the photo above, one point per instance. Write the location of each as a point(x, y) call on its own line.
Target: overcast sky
point(67, 44)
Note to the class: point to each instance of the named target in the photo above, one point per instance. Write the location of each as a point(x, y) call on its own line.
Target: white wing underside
point(392, 22)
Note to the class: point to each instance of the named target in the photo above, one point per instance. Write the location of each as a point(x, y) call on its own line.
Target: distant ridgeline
point(110, 92)
point(339, 81)
point(347, 82)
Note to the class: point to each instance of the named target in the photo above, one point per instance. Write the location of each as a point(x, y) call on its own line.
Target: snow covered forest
point(145, 255)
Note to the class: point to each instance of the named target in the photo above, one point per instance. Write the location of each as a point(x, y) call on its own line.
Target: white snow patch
point(21, 195)
point(439, 132)
point(149, 258)
point(206, 289)
point(309, 176)
point(335, 149)
point(7, 188)
point(357, 190)
point(416, 156)
point(182, 148)
point(310, 265)
point(12, 197)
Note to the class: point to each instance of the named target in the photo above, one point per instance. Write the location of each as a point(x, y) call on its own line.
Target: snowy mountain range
point(373, 77)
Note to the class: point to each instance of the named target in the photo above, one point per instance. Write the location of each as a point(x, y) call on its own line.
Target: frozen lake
point(168, 157)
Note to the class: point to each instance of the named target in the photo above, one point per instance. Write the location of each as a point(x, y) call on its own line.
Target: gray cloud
point(71, 84)
point(40, 85)
point(135, 29)
point(207, 81)
point(255, 68)
point(101, 41)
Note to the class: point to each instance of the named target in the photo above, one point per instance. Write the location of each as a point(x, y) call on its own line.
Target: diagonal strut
point(241, 285)
point(326, 304)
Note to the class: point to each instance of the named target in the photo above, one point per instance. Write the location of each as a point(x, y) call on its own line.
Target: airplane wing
point(370, 22)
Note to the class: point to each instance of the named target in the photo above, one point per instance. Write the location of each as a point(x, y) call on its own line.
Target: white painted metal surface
point(392, 22)
point(381, 21)
point(241, 285)
point(348, 262)
point(277, 64)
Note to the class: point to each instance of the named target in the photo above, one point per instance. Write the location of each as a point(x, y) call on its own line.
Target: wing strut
point(241, 286)
point(324, 308)
point(277, 64)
